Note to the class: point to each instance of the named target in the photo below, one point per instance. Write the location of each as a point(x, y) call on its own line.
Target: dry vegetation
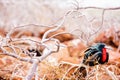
point(54, 52)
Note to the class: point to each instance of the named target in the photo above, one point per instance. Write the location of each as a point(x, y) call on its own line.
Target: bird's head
point(100, 46)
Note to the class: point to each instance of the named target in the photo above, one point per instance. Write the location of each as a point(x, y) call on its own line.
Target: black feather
point(35, 51)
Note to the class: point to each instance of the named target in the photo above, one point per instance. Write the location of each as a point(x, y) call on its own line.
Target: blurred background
point(15, 13)
point(46, 12)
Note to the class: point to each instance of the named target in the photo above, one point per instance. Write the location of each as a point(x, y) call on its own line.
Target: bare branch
point(57, 27)
point(59, 34)
point(111, 74)
point(23, 26)
point(5, 52)
point(92, 7)
point(32, 70)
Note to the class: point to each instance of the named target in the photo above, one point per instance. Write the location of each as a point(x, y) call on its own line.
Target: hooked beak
point(108, 47)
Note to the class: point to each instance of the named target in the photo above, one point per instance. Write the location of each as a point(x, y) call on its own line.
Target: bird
point(96, 54)
point(36, 51)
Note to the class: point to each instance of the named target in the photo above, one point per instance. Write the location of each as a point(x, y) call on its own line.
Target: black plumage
point(94, 55)
point(37, 52)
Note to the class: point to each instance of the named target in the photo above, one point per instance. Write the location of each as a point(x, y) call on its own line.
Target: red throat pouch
point(104, 54)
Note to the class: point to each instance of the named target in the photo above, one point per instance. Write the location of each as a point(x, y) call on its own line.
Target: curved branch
point(57, 27)
point(93, 7)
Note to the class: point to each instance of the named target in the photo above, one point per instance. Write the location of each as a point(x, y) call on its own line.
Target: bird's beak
point(108, 47)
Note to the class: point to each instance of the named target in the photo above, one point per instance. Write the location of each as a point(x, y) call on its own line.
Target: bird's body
point(96, 54)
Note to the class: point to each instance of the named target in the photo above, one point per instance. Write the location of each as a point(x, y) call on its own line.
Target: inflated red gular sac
point(96, 54)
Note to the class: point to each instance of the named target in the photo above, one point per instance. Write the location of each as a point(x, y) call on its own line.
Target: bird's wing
point(90, 52)
point(92, 60)
point(97, 56)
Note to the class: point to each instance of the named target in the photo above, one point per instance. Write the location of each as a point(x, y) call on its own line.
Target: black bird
point(95, 55)
point(37, 52)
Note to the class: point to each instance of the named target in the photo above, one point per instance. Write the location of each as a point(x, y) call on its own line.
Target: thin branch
point(110, 73)
point(92, 7)
point(23, 26)
point(59, 34)
point(25, 39)
point(57, 27)
point(5, 52)
point(47, 52)
point(63, 78)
